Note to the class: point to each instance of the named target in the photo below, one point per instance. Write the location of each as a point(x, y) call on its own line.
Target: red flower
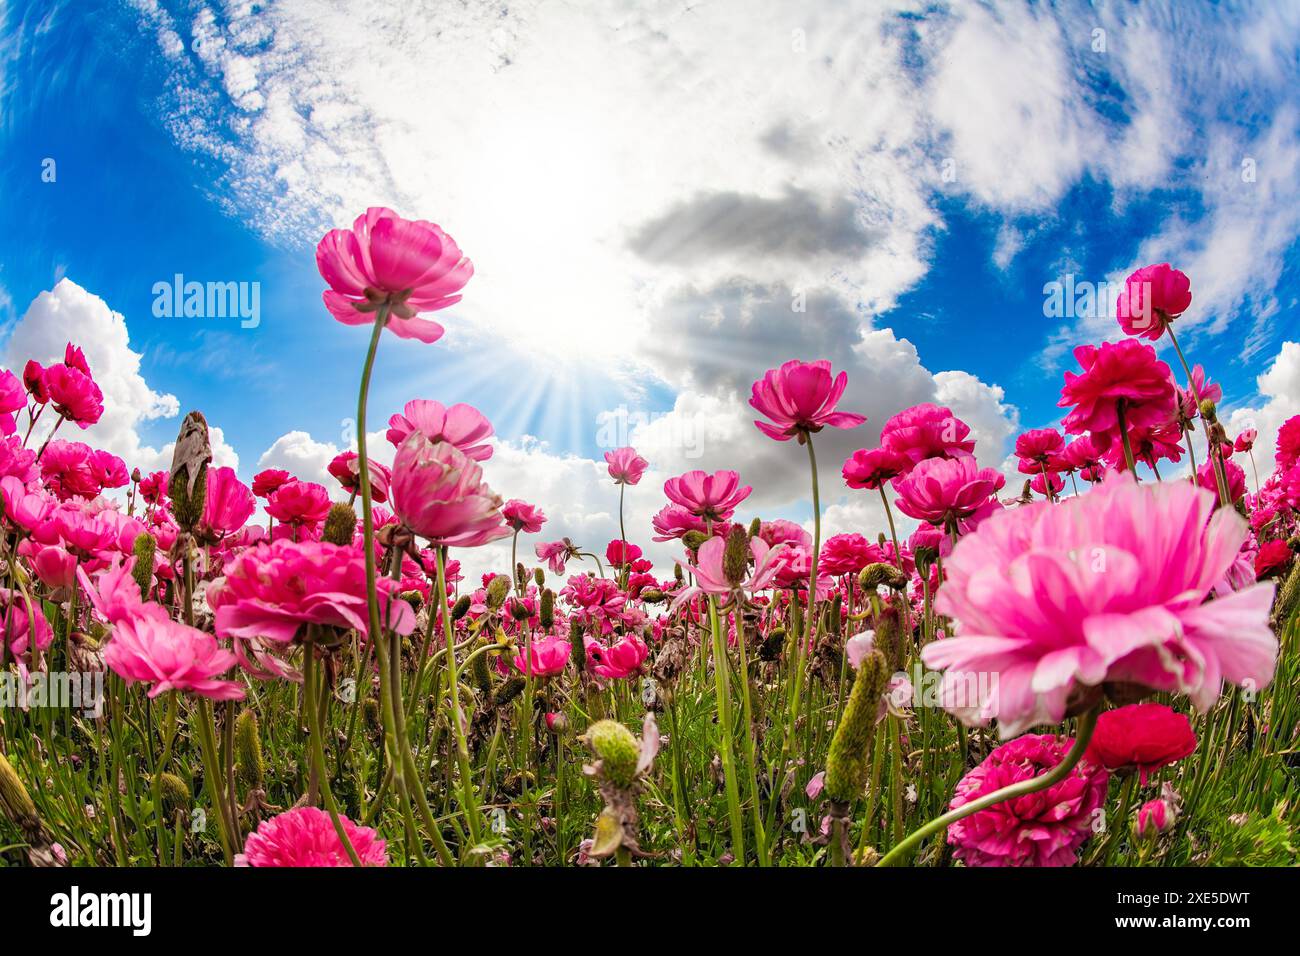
point(1272, 560)
point(1147, 736)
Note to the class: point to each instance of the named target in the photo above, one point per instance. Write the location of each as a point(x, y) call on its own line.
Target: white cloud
point(1279, 391)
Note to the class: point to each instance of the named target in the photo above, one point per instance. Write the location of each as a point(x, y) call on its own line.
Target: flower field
point(1095, 668)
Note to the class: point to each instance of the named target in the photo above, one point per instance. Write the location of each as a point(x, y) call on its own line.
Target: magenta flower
point(871, 468)
point(927, 431)
point(521, 516)
point(1245, 440)
point(299, 504)
point(1235, 474)
point(711, 576)
point(439, 493)
point(1288, 443)
point(781, 531)
point(621, 659)
point(265, 483)
point(800, 398)
point(270, 591)
point(346, 469)
point(556, 553)
point(411, 264)
point(673, 521)
point(625, 466)
point(949, 492)
point(305, 836)
point(546, 656)
point(1110, 586)
point(1123, 373)
point(1153, 296)
point(171, 656)
point(18, 627)
point(229, 503)
point(1046, 828)
point(714, 496)
point(462, 425)
point(1037, 448)
point(75, 395)
point(847, 554)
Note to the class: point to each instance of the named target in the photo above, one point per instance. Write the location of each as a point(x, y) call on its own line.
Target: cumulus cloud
point(1279, 393)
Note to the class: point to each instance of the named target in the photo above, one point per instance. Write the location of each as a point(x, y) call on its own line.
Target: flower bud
point(546, 613)
point(735, 556)
point(15, 802)
point(539, 577)
point(849, 762)
point(874, 575)
point(652, 595)
point(340, 524)
point(187, 482)
point(693, 539)
point(144, 548)
point(1208, 411)
point(248, 747)
point(618, 750)
point(755, 527)
point(461, 607)
point(175, 792)
point(497, 590)
point(577, 647)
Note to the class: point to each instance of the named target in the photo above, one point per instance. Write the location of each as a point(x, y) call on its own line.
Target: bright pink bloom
point(265, 483)
point(847, 554)
point(439, 493)
point(1038, 484)
point(412, 263)
point(17, 626)
point(13, 394)
point(54, 566)
point(18, 461)
point(1245, 440)
point(114, 594)
point(547, 656)
point(1149, 446)
point(170, 656)
point(1046, 828)
point(625, 466)
point(871, 468)
point(299, 504)
point(927, 431)
point(26, 509)
point(1288, 443)
point(1154, 816)
point(1272, 559)
point(305, 836)
point(949, 491)
point(229, 502)
point(800, 398)
point(1209, 391)
point(1235, 474)
point(347, 469)
point(620, 553)
point(673, 521)
point(153, 487)
point(1116, 372)
point(711, 576)
point(714, 496)
point(271, 590)
point(66, 470)
point(621, 659)
point(75, 395)
point(462, 425)
point(1108, 586)
point(34, 382)
point(781, 531)
point(1079, 455)
point(521, 516)
point(556, 553)
point(1036, 448)
point(1144, 736)
point(107, 470)
point(1152, 297)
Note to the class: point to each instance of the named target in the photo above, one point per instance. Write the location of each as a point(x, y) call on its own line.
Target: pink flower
point(556, 553)
point(412, 264)
point(34, 382)
point(153, 487)
point(714, 496)
point(18, 627)
point(24, 508)
point(1046, 828)
point(265, 483)
point(1143, 736)
point(1125, 372)
point(546, 657)
point(1152, 297)
point(229, 503)
point(170, 656)
point(521, 516)
point(299, 504)
point(114, 594)
point(621, 553)
point(1288, 443)
point(13, 397)
point(1036, 448)
point(800, 398)
point(1108, 586)
point(872, 468)
point(625, 466)
point(347, 469)
point(1079, 455)
point(847, 554)
point(1039, 484)
point(621, 659)
point(271, 590)
point(462, 425)
point(439, 493)
point(781, 531)
point(711, 576)
point(1235, 474)
point(66, 470)
point(1245, 440)
point(1154, 816)
point(949, 491)
point(673, 521)
point(107, 470)
point(75, 395)
point(926, 431)
point(305, 836)
point(1208, 391)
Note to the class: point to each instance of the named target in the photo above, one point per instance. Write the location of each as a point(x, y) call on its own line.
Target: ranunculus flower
point(305, 836)
point(462, 425)
point(170, 656)
point(439, 493)
point(1144, 737)
point(625, 466)
point(18, 628)
point(800, 398)
point(1036, 448)
point(1039, 484)
point(521, 516)
point(1288, 443)
point(1245, 440)
point(1125, 372)
point(1108, 586)
point(949, 491)
point(75, 395)
point(711, 575)
point(673, 521)
point(780, 531)
point(412, 264)
point(1236, 476)
point(621, 659)
point(546, 656)
point(555, 553)
point(1079, 455)
point(1046, 828)
point(1152, 297)
point(712, 496)
point(346, 468)
point(34, 382)
point(1155, 816)
point(1271, 560)
point(927, 431)
point(229, 502)
point(299, 504)
point(618, 553)
point(871, 468)
point(847, 554)
point(265, 483)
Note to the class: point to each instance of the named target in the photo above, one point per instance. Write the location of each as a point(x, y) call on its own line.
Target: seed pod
point(481, 674)
point(1288, 597)
point(508, 691)
point(1208, 411)
point(889, 635)
point(652, 595)
point(521, 576)
point(547, 612)
point(248, 747)
point(461, 608)
point(618, 750)
point(340, 524)
point(144, 549)
point(175, 792)
point(15, 802)
point(849, 762)
point(187, 482)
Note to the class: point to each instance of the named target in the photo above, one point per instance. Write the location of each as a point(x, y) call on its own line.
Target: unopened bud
point(15, 802)
point(461, 608)
point(497, 590)
point(539, 577)
point(693, 539)
point(248, 747)
point(546, 613)
point(618, 750)
point(1208, 411)
point(144, 549)
point(849, 762)
point(735, 557)
point(874, 575)
point(175, 792)
point(755, 527)
point(340, 524)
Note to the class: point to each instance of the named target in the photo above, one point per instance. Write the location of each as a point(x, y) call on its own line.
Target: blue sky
point(644, 189)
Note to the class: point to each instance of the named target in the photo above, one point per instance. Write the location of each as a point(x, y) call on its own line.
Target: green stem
point(312, 693)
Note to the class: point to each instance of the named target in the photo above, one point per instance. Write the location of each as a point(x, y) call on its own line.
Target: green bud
point(693, 539)
point(547, 611)
point(849, 763)
point(539, 577)
point(1288, 598)
point(248, 747)
point(175, 792)
point(481, 673)
point(144, 549)
point(15, 802)
point(874, 575)
point(577, 647)
point(1208, 411)
point(652, 595)
point(755, 527)
point(497, 590)
point(735, 556)
point(508, 691)
point(889, 636)
point(461, 607)
point(340, 524)
point(618, 750)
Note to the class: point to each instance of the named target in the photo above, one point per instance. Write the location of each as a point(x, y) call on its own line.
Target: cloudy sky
point(662, 200)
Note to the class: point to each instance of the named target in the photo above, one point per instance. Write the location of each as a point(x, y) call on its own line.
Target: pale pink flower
point(712, 496)
point(673, 521)
point(556, 553)
point(439, 493)
point(800, 398)
point(170, 656)
point(711, 576)
point(462, 425)
point(411, 263)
